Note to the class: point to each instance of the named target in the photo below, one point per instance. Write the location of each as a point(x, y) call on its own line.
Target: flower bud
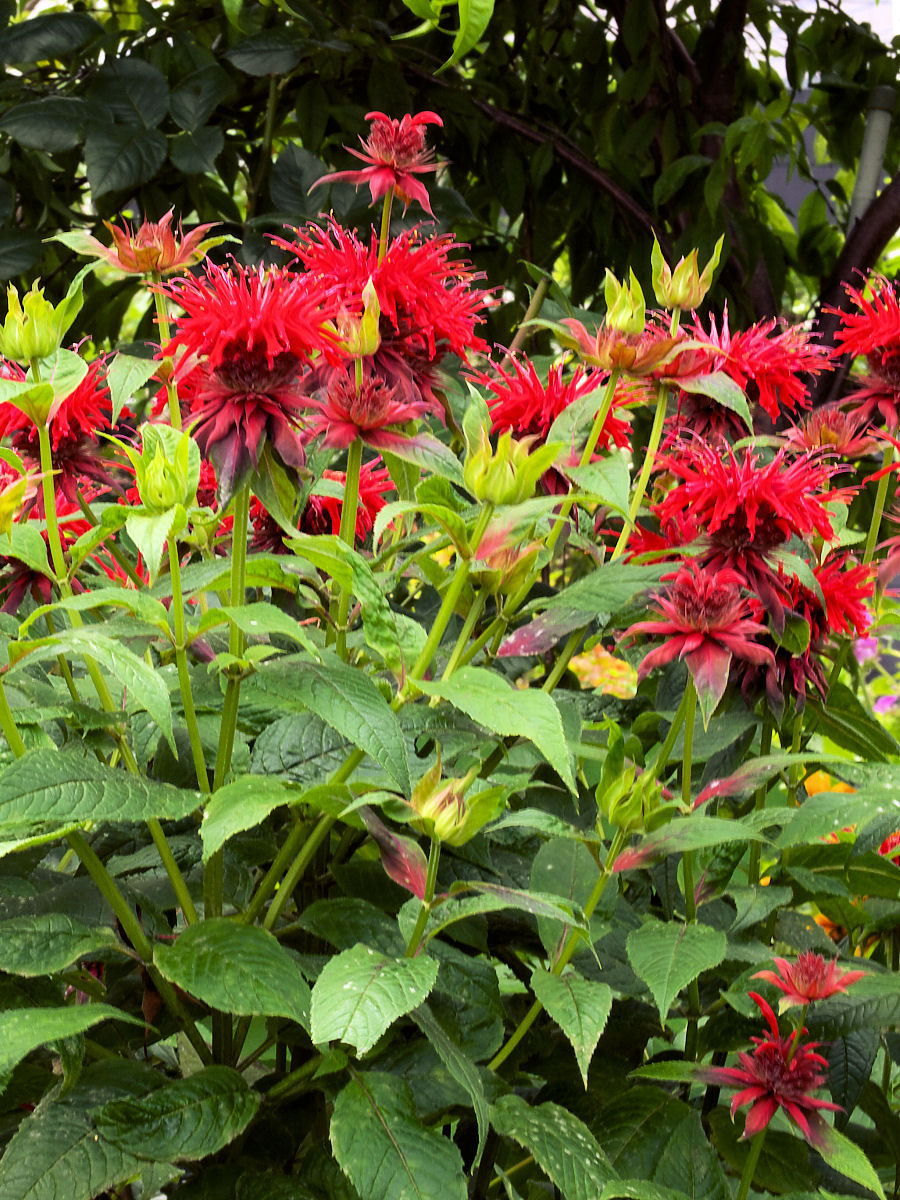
point(508, 475)
point(168, 470)
point(684, 287)
point(625, 309)
point(445, 814)
point(34, 328)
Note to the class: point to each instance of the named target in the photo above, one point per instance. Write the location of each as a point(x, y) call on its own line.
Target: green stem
point(415, 938)
point(133, 930)
point(235, 637)
point(184, 679)
point(167, 366)
point(637, 499)
point(568, 950)
point(475, 611)
point(561, 664)
point(269, 881)
point(8, 725)
point(348, 534)
point(173, 871)
point(665, 749)
point(759, 803)
point(384, 235)
point(265, 149)
point(320, 832)
point(756, 1146)
point(880, 499)
point(687, 864)
point(115, 553)
point(537, 303)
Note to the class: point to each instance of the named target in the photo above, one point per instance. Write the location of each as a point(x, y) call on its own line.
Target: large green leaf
point(183, 1120)
point(48, 787)
point(119, 157)
point(126, 374)
point(49, 942)
point(360, 994)
point(829, 812)
point(143, 684)
point(563, 1147)
point(460, 1066)
point(494, 896)
point(24, 1029)
point(387, 1153)
point(237, 969)
point(669, 955)
point(241, 805)
point(487, 698)
point(846, 1157)
point(580, 1007)
point(348, 701)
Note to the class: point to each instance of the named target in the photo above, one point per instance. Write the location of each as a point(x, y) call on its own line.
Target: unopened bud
point(685, 287)
point(34, 328)
point(625, 308)
point(508, 475)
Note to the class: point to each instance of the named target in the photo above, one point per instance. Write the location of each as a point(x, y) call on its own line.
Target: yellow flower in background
point(821, 781)
point(598, 669)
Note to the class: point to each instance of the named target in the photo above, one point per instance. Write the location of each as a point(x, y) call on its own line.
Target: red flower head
point(747, 509)
point(253, 332)
point(778, 1074)
point(527, 407)
point(369, 409)
point(810, 978)
point(153, 249)
point(707, 622)
point(770, 356)
point(831, 431)
point(396, 154)
point(874, 331)
point(322, 514)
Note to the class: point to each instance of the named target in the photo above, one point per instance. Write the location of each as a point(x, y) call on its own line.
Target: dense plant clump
point(358, 834)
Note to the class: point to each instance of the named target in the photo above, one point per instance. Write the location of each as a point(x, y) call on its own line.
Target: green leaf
point(143, 606)
point(508, 711)
point(844, 720)
point(47, 786)
point(845, 1157)
point(673, 176)
point(270, 53)
point(460, 1066)
point(258, 620)
point(132, 92)
point(495, 896)
point(580, 1007)
point(26, 544)
point(52, 36)
point(684, 833)
point(195, 152)
point(563, 1147)
point(669, 955)
point(52, 124)
point(243, 804)
point(851, 1059)
point(184, 1120)
point(474, 17)
point(193, 100)
point(360, 994)
point(144, 686)
point(150, 531)
point(829, 812)
point(722, 388)
point(48, 942)
point(348, 701)
point(20, 249)
point(607, 480)
point(236, 969)
point(386, 1152)
point(24, 1029)
point(126, 374)
point(432, 456)
point(120, 157)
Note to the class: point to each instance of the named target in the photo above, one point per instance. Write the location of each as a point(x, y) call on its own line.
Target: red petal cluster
point(809, 979)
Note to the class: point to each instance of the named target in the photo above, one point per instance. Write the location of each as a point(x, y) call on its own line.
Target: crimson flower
point(747, 509)
point(396, 154)
point(873, 331)
point(705, 621)
point(832, 431)
point(246, 337)
point(527, 407)
point(781, 1073)
point(428, 302)
point(322, 514)
point(810, 978)
point(369, 408)
point(770, 356)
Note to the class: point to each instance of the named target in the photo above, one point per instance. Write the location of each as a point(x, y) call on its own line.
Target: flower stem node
point(508, 475)
point(685, 287)
point(34, 328)
point(167, 471)
point(444, 812)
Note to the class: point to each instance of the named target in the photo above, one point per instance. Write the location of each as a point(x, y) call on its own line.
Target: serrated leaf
point(258, 620)
point(24, 1029)
point(144, 607)
point(848, 1159)
point(348, 701)
point(669, 955)
point(124, 376)
point(386, 1152)
point(460, 1067)
point(45, 786)
point(580, 1007)
point(684, 833)
point(184, 1120)
point(240, 805)
point(360, 994)
point(508, 711)
point(563, 1147)
point(144, 686)
point(119, 157)
point(48, 942)
point(237, 969)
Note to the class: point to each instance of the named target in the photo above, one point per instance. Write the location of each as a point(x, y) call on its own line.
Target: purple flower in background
point(865, 648)
point(883, 703)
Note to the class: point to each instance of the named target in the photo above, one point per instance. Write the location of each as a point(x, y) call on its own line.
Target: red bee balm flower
point(254, 332)
point(810, 978)
point(778, 1074)
point(707, 622)
point(396, 154)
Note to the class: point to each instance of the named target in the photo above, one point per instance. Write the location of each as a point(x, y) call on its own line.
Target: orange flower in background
point(598, 669)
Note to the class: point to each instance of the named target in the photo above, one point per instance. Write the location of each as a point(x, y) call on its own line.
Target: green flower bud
point(444, 811)
point(34, 328)
point(685, 287)
point(361, 336)
point(168, 470)
point(625, 308)
point(508, 475)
